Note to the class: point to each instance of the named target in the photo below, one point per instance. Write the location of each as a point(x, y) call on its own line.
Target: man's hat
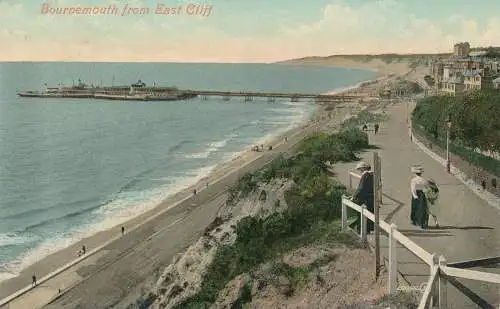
point(363, 165)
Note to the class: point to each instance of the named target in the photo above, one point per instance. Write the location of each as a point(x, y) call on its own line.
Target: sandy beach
point(166, 230)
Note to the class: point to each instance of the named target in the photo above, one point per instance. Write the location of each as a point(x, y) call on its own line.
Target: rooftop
point(473, 73)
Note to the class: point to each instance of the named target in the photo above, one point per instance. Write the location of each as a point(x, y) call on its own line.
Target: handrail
point(354, 174)
point(414, 248)
point(402, 239)
point(424, 301)
point(438, 269)
point(471, 274)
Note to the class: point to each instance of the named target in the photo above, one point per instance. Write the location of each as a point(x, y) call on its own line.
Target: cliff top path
point(468, 225)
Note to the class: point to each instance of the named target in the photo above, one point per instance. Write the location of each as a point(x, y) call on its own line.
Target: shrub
point(314, 202)
point(362, 118)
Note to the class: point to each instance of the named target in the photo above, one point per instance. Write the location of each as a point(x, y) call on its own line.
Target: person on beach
point(84, 250)
point(364, 193)
point(432, 195)
point(286, 139)
point(376, 127)
point(194, 192)
point(419, 210)
point(33, 280)
point(123, 230)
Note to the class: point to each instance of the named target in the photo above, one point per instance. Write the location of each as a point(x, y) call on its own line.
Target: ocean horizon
point(70, 168)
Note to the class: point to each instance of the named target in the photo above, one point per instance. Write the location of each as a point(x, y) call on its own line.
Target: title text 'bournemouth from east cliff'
point(192, 9)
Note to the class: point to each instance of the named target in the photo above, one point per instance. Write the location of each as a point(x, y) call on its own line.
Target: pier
point(272, 96)
point(128, 93)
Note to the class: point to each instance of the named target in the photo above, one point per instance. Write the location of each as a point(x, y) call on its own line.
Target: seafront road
point(469, 227)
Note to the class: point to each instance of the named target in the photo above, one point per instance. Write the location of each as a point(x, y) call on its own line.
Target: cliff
point(277, 242)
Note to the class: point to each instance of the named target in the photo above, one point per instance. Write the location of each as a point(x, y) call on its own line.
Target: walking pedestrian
point(365, 127)
point(419, 211)
point(123, 230)
point(376, 127)
point(33, 280)
point(84, 250)
point(432, 195)
point(364, 192)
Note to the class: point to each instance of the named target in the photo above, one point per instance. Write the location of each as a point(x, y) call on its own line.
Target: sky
point(241, 31)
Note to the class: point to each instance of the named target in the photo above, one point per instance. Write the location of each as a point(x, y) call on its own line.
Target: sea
point(70, 168)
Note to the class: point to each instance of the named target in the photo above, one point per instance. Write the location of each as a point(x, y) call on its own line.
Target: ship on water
point(138, 91)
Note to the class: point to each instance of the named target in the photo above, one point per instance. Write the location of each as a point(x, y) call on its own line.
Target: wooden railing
point(434, 295)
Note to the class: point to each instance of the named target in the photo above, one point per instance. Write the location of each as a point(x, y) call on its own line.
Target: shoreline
point(80, 237)
point(89, 230)
point(56, 259)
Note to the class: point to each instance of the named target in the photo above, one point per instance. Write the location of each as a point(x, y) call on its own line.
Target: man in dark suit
point(364, 192)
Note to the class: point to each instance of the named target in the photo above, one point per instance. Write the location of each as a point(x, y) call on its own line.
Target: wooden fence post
point(443, 296)
point(376, 200)
point(393, 262)
point(434, 291)
point(344, 215)
point(363, 224)
point(380, 182)
point(499, 301)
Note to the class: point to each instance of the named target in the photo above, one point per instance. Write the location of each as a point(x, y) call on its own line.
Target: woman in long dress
point(419, 210)
point(432, 195)
point(364, 192)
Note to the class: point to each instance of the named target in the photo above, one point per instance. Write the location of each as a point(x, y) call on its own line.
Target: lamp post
point(448, 127)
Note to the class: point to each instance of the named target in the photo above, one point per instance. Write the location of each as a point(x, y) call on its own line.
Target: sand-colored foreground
point(115, 275)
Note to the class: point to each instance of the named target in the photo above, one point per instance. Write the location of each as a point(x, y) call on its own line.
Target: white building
point(496, 83)
point(453, 86)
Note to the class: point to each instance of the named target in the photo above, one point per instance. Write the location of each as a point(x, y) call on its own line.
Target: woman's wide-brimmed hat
point(363, 165)
point(417, 169)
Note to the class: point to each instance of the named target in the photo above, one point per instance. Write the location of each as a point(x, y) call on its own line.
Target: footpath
point(469, 227)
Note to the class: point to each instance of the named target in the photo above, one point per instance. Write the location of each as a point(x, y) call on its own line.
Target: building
point(496, 83)
point(465, 70)
point(479, 79)
point(492, 66)
point(467, 64)
point(461, 49)
point(453, 85)
point(477, 53)
point(437, 70)
point(472, 80)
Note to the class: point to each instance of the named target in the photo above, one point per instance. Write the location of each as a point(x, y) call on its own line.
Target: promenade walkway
point(469, 226)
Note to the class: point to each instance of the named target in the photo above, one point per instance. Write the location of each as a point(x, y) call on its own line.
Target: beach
point(176, 222)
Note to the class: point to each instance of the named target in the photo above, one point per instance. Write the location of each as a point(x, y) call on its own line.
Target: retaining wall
point(477, 174)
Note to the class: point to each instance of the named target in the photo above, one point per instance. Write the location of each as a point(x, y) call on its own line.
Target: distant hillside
point(387, 58)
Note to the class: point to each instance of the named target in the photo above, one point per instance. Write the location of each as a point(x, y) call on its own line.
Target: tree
point(474, 118)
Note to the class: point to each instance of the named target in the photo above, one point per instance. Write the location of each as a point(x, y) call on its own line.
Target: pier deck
point(273, 95)
point(168, 94)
